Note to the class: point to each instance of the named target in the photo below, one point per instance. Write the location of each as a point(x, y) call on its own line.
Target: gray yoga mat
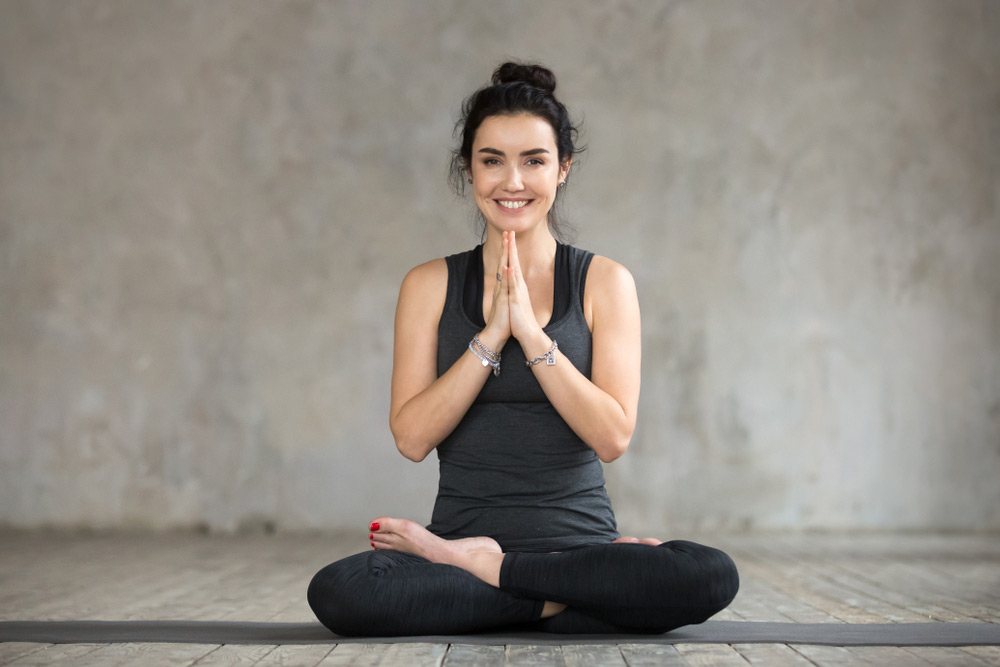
point(711, 632)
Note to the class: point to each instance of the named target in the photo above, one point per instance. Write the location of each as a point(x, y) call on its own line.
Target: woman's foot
point(635, 540)
point(479, 555)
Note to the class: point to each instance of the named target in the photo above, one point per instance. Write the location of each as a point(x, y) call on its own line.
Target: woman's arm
point(602, 410)
point(425, 408)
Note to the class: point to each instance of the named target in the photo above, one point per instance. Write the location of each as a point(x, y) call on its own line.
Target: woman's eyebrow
point(494, 151)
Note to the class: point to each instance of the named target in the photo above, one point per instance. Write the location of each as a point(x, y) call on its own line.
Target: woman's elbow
point(411, 450)
point(408, 446)
point(613, 448)
point(413, 454)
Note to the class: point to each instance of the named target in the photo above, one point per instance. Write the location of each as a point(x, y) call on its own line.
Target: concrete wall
point(206, 209)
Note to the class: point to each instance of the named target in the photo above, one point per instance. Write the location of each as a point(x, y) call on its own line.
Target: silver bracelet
point(488, 356)
point(549, 357)
point(487, 352)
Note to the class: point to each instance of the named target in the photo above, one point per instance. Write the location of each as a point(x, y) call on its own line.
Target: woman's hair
point(516, 88)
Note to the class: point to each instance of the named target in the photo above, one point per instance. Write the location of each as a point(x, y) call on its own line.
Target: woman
point(518, 361)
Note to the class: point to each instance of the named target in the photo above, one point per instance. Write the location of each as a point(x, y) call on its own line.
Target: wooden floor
point(788, 578)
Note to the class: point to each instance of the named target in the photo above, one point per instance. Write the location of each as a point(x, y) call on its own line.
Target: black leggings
point(608, 588)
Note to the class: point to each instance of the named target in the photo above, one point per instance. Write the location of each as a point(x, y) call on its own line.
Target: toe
point(380, 523)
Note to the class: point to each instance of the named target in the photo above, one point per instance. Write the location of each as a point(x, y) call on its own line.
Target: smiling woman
point(522, 531)
point(515, 171)
point(517, 89)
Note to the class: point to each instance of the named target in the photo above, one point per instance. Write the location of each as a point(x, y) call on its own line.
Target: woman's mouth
point(513, 204)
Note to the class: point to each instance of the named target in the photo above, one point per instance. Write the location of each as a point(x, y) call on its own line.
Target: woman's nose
point(513, 180)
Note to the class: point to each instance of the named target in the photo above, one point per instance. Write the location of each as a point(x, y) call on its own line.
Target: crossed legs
point(417, 583)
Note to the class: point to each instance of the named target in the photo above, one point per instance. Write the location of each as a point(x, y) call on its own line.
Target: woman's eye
point(536, 161)
point(491, 161)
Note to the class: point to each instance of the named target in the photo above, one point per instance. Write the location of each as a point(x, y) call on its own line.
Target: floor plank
point(886, 656)
point(717, 655)
point(56, 654)
point(417, 654)
point(11, 651)
point(114, 655)
point(651, 655)
point(946, 657)
point(533, 656)
point(771, 655)
point(990, 654)
point(825, 656)
point(474, 655)
point(582, 655)
point(291, 655)
point(355, 655)
point(233, 654)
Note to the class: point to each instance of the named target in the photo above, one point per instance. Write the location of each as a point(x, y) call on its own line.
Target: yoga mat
point(711, 632)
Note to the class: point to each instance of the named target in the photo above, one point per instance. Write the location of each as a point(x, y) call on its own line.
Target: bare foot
point(410, 537)
point(481, 556)
point(652, 541)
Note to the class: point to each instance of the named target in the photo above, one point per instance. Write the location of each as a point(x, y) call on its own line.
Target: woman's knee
point(324, 596)
point(356, 595)
point(724, 577)
point(712, 577)
point(337, 596)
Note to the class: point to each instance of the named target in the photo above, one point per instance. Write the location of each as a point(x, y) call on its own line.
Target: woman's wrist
point(492, 340)
point(537, 345)
point(486, 356)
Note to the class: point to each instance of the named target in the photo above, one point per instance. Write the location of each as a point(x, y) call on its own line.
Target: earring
point(562, 184)
point(470, 181)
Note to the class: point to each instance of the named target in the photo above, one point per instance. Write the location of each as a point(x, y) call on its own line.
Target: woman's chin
point(515, 224)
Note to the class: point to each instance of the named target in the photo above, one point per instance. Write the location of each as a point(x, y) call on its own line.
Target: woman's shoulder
point(606, 273)
point(424, 278)
point(608, 283)
point(422, 295)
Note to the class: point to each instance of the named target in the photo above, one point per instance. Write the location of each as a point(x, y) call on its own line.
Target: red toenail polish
point(371, 536)
point(374, 526)
point(373, 545)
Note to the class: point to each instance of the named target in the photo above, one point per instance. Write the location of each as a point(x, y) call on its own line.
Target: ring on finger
point(499, 277)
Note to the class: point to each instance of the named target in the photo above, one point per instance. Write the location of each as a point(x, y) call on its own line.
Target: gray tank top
point(513, 469)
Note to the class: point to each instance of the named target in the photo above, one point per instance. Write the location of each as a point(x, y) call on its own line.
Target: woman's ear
point(564, 170)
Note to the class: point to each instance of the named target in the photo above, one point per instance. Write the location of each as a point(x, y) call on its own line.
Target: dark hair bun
point(533, 75)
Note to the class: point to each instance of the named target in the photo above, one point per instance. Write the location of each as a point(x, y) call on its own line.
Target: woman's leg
point(635, 587)
point(390, 593)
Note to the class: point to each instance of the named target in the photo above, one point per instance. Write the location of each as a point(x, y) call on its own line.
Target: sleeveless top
point(513, 469)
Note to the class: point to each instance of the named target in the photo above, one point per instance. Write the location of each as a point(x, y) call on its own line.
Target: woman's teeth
point(513, 204)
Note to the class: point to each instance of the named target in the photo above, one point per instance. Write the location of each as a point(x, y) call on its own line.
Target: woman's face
point(515, 171)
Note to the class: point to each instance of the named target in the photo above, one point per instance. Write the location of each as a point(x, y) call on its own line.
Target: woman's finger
point(499, 315)
point(505, 254)
point(513, 261)
point(501, 262)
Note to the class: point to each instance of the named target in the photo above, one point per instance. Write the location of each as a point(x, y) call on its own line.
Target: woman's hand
point(523, 325)
point(497, 329)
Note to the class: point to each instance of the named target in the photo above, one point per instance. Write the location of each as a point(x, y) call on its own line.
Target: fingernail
point(371, 536)
point(374, 526)
point(373, 545)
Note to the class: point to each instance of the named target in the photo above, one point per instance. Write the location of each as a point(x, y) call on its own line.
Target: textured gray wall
point(206, 209)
